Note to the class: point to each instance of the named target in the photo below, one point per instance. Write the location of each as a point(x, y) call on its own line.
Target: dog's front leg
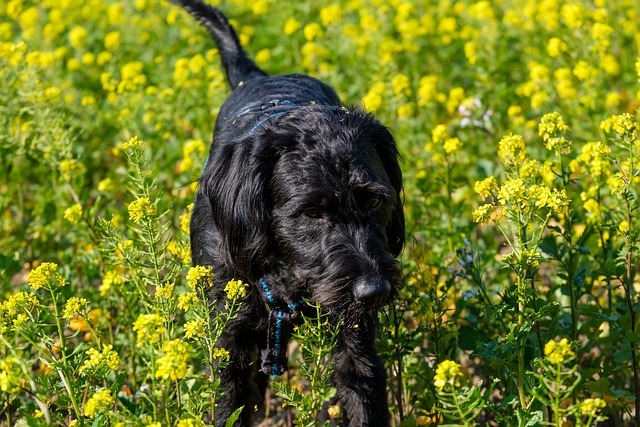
point(240, 382)
point(360, 377)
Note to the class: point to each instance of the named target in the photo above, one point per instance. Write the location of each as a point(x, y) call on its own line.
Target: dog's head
point(316, 191)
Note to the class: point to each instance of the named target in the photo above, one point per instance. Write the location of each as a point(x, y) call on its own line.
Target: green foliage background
point(467, 88)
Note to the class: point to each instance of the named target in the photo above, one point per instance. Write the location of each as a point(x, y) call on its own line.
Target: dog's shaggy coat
point(300, 197)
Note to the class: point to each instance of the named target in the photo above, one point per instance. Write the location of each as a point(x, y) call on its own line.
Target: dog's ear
point(235, 183)
point(388, 152)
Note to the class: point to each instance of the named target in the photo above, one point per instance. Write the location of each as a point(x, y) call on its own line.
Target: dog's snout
point(372, 291)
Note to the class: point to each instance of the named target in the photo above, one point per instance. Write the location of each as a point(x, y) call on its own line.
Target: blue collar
point(281, 314)
point(263, 109)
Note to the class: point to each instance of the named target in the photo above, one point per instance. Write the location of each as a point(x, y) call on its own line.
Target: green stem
point(61, 371)
point(556, 406)
point(521, 288)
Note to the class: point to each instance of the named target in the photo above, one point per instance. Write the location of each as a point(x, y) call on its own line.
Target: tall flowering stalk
point(558, 377)
point(521, 206)
point(318, 336)
point(623, 184)
point(457, 400)
point(552, 128)
point(208, 320)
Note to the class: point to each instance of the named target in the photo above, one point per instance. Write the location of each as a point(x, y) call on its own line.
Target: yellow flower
point(107, 358)
point(451, 145)
point(133, 143)
point(221, 354)
point(185, 219)
point(46, 275)
point(312, 31)
point(195, 328)
point(235, 289)
point(485, 187)
point(106, 185)
point(512, 150)
point(625, 125)
point(99, 403)
point(141, 208)
point(401, 85)
point(456, 95)
point(404, 110)
point(131, 77)
point(112, 41)
point(263, 56)
point(104, 57)
point(16, 307)
point(610, 65)
point(330, 15)
point(173, 362)
point(590, 407)
point(78, 36)
point(584, 72)
point(190, 422)
point(624, 226)
point(111, 279)
point(439, 133)
point(374, 98)
point(482, 214)
point(550, 198)
point(164, 292)
point(180, 252)
point(529, 168)
point(11, 376)
point(555, 47)
point(427, 89)
point(73, 213)
point(70, 166)
point(79, 323)
point(149, 328)
point(552, 128)
point(74, 306)
point(513, 191)
point(447, 372)
point(558, 351)
point(593, 209)
point(291, 26)
point(199, 274)
point(185, 301)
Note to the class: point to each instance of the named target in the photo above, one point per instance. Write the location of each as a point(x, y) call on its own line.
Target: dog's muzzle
point(373, 292)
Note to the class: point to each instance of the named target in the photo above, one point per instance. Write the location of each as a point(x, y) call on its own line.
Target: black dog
point(299, 197)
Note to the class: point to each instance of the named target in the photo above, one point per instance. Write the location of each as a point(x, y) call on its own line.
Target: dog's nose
point(372, 291)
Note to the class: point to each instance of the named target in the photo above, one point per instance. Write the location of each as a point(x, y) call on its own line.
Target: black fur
point(306, 194)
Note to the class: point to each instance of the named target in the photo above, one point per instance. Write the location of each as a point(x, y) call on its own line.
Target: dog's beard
point(330, 277)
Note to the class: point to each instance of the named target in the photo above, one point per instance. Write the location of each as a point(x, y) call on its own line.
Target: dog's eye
point(312, 212)
point(373, 202)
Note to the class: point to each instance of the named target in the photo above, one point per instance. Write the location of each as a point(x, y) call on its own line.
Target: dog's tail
point(238, 66)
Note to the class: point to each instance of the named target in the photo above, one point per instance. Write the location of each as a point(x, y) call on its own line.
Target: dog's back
point(254, 92)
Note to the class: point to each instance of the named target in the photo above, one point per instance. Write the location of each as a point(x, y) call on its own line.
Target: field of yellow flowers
point(518, 125)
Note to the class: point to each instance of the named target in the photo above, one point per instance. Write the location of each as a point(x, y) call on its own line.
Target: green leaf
point(529, 419)
point(233, 417)
point(9, 265)
point(590, 310)
point(469, 338)
point(600, 386)
point(408, 422)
